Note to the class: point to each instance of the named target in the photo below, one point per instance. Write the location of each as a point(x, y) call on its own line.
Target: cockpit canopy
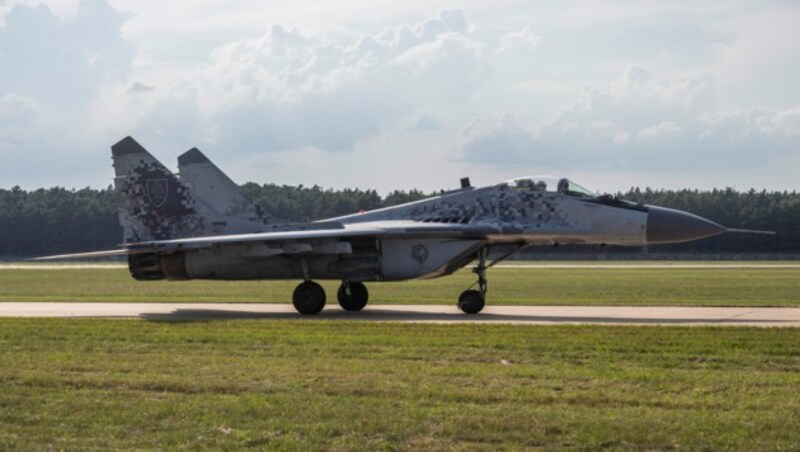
point(551, 184)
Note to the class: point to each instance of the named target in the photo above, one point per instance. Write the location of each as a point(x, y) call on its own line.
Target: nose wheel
point(472, 301)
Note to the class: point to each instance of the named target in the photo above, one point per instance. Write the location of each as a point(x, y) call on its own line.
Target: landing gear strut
point(353, 296)
point(472, 301)
point(308, 298)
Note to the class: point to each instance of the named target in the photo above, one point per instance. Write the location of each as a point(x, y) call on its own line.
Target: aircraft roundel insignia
point(419, 253)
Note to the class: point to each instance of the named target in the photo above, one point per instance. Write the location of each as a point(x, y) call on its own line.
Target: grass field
point(510, 286)
point(292, 384)
point(76, 384)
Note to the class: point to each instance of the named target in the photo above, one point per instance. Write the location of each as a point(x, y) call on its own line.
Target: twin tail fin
point(155, 204)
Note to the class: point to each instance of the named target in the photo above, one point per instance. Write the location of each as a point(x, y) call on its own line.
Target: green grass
point(544, 286)
point(77, 384)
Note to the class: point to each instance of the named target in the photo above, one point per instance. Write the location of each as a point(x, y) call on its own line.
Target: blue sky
point(385, 95)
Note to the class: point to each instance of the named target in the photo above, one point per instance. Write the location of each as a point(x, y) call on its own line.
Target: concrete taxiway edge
point(728, 316)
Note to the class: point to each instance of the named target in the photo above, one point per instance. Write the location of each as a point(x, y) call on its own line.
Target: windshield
point(534, 183)
point(568, 187)
point(551, 184)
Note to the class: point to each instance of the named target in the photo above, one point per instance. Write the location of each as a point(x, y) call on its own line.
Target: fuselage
point(432, 237)
point(521, 213)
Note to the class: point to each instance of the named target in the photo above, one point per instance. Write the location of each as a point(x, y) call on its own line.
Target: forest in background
point(58, 220)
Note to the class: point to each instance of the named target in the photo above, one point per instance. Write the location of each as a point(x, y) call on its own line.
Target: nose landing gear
point(472, 301)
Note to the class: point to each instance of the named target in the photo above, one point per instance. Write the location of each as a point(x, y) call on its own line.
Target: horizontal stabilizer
point(91, 255)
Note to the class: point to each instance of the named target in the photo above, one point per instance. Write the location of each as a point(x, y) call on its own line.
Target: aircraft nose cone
point(674, 226)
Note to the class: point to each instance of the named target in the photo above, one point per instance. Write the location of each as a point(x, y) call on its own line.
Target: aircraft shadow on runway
point(380, 315)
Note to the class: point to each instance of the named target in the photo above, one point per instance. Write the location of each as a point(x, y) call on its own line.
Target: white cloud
point(757, 55)
point(636, 97)
point(661, 129)
point(58, 61)
point(378, 80)
point(742, 123)
point(17, 116)
point(524, 40)
point(139, 87)
point(51, 69)
point(292, 89)
point(636, 121)
point(425, 123)
point(498, 139)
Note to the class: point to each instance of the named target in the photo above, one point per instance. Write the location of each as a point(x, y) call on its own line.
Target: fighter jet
point(198, 225)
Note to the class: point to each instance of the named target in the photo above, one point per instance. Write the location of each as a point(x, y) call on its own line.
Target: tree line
point(58, 220)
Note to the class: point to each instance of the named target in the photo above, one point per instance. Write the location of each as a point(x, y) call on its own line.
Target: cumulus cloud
point(499, 139)
point(51, 69)
point(62, 62)
point(637, 121)
point(661, 129)
point(17, 116)
point(743, 123)
point(292, 89)
point(139, 87)
point(637, 98)
point(69, 87)
point(522, 40)
point(425, 122)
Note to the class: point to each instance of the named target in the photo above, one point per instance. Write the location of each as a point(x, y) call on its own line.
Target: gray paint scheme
point(198, 225)
point(219, 234)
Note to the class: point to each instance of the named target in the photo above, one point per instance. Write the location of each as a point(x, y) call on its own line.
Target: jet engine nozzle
point(675, 226)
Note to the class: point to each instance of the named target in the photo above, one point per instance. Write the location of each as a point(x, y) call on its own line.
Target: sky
point(413, 94)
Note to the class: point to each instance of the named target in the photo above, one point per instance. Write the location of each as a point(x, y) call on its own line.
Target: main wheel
point(356, 299)
point(308, 298)
point(471, 302)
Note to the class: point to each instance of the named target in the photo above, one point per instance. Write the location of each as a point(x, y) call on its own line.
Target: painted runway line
point(738, 316)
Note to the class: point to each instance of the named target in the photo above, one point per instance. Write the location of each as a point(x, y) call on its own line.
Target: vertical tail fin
point(153, 203)
point(209, 184)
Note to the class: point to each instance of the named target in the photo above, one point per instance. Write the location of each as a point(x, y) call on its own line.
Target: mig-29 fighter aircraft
point(197, 225)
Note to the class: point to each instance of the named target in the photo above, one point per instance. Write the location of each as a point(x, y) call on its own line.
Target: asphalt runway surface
point(604, 265)
point(628, 315)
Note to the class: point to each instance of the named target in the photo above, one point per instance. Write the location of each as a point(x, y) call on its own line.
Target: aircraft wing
point(317, 231)
point(369, 229)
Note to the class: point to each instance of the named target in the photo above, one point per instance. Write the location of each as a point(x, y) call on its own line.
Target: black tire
point(356, 300)
point(309, 298)
point(471, 302)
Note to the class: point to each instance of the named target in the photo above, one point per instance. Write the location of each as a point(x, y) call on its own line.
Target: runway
point(599, 265)
point(533, 315)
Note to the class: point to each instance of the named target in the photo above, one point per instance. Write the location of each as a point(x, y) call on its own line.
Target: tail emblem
point(157, 191)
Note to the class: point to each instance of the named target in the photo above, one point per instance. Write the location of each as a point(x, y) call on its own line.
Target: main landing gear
point(309, 297)
point(352, 296)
